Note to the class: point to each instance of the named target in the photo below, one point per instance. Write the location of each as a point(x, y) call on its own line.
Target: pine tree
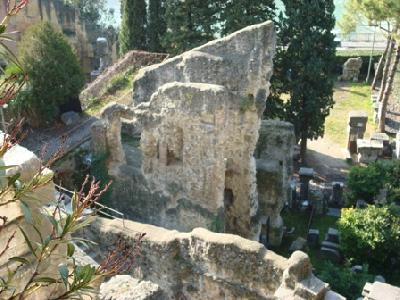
point(304, 68)
point(157, 27)
point(190, 23)
point(133, 27)
point(238, 14)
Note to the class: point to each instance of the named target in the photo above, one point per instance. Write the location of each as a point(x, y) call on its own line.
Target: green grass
point(118, 87)
point(357, 97)
point(357, 53)
point(299, 221)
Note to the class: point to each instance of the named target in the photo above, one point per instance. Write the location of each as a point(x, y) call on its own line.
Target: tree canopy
point(302, 84)
point(55, 76)
point(133, 27)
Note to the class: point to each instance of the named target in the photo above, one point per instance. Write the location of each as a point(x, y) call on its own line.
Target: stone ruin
point(205, 265)
point(351, 69)
point(131, 61)
point(200, 114)
point(27, 164)
point(356, 129)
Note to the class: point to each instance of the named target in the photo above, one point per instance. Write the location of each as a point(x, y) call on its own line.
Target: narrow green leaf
point(21, 260)
point(7, 167)
point(44, 280)
point(27, 212)
point(74, 202)
point(28, 242)
point(13, 179)
point(84, 223)
point(70, 249)
point(3, 28)
point(63, 270)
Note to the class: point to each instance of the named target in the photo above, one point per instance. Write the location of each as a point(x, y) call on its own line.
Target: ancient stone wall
point(132, 60)
point(200, 115)
point(27, 164)
point(205, 265)
point(274, 156)
point(64, 18)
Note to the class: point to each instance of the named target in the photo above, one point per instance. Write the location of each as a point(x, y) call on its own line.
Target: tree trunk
point(381, 64)
point(388, 89)
point(303, 148)
point(386, 70)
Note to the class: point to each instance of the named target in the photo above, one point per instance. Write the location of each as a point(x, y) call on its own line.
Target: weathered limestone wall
point(65, 19)
point(205, 265)
point(133, 60)
point(241, 62)
point(274, 156)
point(27, 164)
point(200, 114)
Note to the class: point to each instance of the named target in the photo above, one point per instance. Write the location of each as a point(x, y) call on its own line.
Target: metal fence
point(100, 209)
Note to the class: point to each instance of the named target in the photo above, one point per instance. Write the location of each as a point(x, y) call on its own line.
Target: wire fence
point(100, 209)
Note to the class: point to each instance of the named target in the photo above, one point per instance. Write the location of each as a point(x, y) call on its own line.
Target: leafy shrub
point(366, 182)
point(55, 76)
point(371, 234)
point(344, 281)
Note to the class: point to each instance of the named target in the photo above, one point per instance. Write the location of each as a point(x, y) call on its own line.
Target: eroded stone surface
point(125, 287)
point(351, 69)
point(274, 154)
point(206, 265)
point(200, 115)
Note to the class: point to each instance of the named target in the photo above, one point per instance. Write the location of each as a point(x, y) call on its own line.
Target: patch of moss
point(246, 103)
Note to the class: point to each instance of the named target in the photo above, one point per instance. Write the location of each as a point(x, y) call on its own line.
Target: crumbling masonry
point(200, 117)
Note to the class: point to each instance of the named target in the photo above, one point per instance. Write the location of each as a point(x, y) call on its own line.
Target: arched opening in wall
point(230, 218)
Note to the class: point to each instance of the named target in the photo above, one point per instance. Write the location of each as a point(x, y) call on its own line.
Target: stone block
point(369, 150)
point(332, 235)
point(331, 245)
point(70, 118)
point(331, 254)
point(125, 287)
point(313, 238)
point(298, 245)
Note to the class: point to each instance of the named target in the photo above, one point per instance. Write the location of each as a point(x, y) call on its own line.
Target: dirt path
point(328, 160)
point(52, 138)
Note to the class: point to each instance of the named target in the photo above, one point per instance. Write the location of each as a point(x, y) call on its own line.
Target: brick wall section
point(132, 60)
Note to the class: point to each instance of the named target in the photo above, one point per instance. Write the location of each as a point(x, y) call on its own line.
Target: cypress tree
point(304, 68)
point(237, 14)
point(133, 27)
point(157, 26)
point(190, 23)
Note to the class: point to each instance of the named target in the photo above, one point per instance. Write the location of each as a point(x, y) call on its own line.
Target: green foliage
point(371, 234)
point(236, 15)
point(344, 281)
point(55, 76)
point(99, 171)
point(157, 26)
point(375, 11)
point(247, 103)
point(132, 34)
point(119, 82)
point(366, 182)
point(304, 67)
point(189, 23)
